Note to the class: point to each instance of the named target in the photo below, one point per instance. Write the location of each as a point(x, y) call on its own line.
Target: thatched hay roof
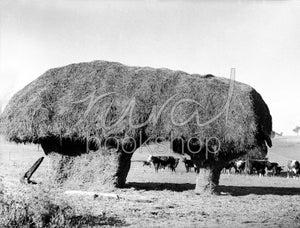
point(56, 104)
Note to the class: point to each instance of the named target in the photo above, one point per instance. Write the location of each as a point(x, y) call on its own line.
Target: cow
point(147, 163)
point(189, 164)
point(174, 165)
point(293, 168)
point(258, 166)
point(168, 161)
point(278, 170)
point(163, 161)
point(274, 168)
point(239, 166)
point(196, 168)
point(229, 167)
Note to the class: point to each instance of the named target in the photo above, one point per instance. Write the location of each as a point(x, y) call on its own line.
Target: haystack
point(80, 107)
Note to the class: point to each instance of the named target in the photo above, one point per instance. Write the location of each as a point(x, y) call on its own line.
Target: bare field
point(167, 199)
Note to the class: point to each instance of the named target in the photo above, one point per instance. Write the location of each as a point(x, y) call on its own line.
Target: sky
point(260, 39)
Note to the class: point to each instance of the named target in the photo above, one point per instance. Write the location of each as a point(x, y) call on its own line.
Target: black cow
point(174, 165)
point(160, 162)
point(229, 167)
point(293, 168)
point(274, 168)
point(279, 169)
point(189, 164)
point(258, 166)
point(146, 163)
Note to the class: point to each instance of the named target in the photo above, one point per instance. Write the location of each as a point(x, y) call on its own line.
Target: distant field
point(285, 148)
point(167, 199)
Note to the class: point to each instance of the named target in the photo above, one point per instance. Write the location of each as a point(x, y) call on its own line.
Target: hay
point(50, 106)
point(66, 106)
point(93, 171)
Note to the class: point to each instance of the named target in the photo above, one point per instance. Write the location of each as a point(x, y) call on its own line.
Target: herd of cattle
point(259, 167)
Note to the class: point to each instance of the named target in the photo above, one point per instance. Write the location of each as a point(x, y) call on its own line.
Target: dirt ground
point(166, 199)
point(246, 201)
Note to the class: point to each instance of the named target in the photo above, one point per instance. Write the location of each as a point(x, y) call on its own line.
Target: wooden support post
point(31, 171)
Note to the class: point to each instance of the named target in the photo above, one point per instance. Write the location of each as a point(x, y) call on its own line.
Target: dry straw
point(56, 104)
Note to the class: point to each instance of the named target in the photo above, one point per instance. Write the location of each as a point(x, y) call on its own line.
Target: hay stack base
point(96, 171)
point(66, 106)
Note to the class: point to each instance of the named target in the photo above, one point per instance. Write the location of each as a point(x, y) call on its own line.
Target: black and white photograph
point(149, 113)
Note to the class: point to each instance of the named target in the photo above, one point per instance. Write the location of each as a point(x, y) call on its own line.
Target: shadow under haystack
point(80, 107)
